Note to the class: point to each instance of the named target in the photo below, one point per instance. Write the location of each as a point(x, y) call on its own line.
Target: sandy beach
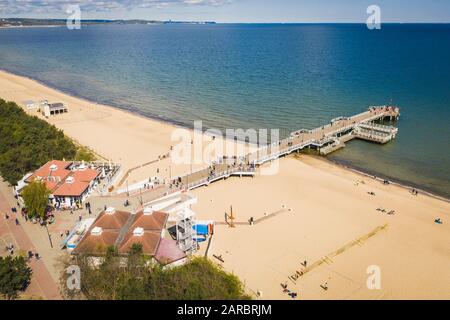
point(314, 210)
point(326, 208)
point(114, 134)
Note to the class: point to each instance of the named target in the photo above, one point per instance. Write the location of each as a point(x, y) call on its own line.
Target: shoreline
point(87, 100)
point(380, 177)
point(176, 124)
point(320, 206)
point(21, 27)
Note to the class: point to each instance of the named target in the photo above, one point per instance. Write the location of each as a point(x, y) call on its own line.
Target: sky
point(248, 11)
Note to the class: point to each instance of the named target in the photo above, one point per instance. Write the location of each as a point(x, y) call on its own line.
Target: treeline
point(27, 142)
point(199, 279)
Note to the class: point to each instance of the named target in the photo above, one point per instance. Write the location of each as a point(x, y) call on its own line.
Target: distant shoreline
point(34, 26)
point(89, 23)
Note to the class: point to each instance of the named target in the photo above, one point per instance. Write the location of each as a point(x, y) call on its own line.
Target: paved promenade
point(42, 284)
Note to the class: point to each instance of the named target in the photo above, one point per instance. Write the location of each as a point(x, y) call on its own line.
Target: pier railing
point(245, 170)
point(326, 138)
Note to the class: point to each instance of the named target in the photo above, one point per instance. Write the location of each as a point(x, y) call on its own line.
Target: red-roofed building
point(169, 253)
point(122, 230)
point(51, 173)
point(68, 183)
point(97, 241)
point(149, 240)
point(112, 219)
point(150, 220)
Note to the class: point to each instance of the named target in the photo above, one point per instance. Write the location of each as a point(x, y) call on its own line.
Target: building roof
point(71, 189)
point(155, 221)
point(123, 229)
point(85, 175)
point(55, 175)
point(168, 252)
point(117, 220)
point(76, 183)
point(51, 173)
point(96, 244)
point(57, 106)
point(149, 240)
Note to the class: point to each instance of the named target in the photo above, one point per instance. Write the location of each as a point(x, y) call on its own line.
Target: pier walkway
point(325, 139)
point(333, 136)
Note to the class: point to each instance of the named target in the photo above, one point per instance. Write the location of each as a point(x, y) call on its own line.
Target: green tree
point(198, 279)
point(15, 275)
point(27, 142)
point(35, 196)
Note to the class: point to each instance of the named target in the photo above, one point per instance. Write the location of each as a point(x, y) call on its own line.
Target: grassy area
point(27, 142)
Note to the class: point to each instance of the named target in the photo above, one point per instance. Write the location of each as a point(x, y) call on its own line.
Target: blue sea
point(285, 76)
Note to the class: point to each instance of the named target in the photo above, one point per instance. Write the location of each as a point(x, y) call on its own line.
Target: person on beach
point(17, 222)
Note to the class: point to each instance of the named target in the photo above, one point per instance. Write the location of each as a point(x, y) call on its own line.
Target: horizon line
point(234, 22)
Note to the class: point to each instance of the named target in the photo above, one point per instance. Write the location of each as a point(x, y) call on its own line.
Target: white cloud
point(58, 6)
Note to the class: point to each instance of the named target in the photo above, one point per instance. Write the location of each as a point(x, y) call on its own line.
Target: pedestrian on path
point(17, 222)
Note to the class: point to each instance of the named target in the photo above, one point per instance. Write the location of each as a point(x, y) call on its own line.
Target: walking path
point(42, 284)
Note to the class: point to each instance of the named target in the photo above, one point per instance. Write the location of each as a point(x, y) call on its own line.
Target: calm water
point(261, 76)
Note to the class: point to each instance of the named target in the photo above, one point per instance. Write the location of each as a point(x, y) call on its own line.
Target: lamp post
point(48, 234)
point(190, 164)
point(128, 191)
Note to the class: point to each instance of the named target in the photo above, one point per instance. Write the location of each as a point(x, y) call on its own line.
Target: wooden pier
point(333, 136)
point(325, 139)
